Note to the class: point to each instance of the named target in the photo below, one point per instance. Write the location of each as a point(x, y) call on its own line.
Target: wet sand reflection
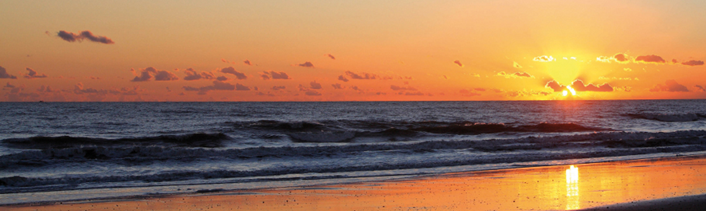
point(572, 188)
point(535, 188)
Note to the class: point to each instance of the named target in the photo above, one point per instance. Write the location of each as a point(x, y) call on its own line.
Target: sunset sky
point(350, 50)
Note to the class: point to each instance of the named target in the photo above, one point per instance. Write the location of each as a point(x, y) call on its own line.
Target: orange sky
point(350, 50)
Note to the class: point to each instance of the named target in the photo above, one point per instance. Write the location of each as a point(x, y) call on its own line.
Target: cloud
point(306, 64)
point(543, 58)
point(43, 88)
point(619, 57)
point(516, 65)
point(191, 75)
point(33, 74)
point(479, 89)
point(331, 56)
point(308, 91)
point(241, 87)
point(699, 87)
point(362, 76)
point(458, 63)
point(315, 85)
point(526, 93)
point(401, 88)
point(468, 93)
point(71, 37)
point(222, 78)
point(693, 63)
point(3, 74)
point(579, 86)
point(278, 87)
point(159, 75)
point(8, 85)
point(274, 75)
point(337, 86)
point(247, 62)
point(623, 89)
point(231, 70)
point(342, 78)
point(164, 75)
point(669, 86)
point(312, 93)
point(79, 89)
point(414, 93)
point(650, 59)
point(217, 85)
point(555, 86)
point(515, 75)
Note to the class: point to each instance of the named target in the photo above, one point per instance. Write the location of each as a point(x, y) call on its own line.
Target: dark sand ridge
point(600, 185)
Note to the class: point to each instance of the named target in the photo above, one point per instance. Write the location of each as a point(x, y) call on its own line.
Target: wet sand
point(675, 181)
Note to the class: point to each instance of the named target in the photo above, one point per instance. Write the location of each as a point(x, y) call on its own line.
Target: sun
point(565, 92)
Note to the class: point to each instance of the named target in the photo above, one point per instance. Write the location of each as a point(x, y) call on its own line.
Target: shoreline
point(545, 188)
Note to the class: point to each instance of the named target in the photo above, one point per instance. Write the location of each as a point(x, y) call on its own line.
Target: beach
point(679, 182)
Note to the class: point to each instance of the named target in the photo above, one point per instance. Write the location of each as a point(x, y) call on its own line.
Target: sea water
point(77, 151)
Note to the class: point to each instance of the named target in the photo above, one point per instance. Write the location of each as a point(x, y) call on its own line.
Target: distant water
point(102, 149)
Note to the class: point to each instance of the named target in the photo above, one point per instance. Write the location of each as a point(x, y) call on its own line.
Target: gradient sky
point(350, 50)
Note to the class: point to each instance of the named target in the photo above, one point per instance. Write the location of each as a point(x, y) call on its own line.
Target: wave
point(12, 184)
point(61, 142)
point(346, 130)
point(689, 117)
point(134, 155)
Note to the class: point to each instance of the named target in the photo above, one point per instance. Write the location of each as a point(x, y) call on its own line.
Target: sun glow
point(573, 92)
point(565, 92)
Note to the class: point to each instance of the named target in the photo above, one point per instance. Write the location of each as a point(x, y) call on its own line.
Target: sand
point(678, 182)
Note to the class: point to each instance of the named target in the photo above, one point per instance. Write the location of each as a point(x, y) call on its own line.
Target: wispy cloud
point(150, 72)
point(361, 76)
point(231, 70)
point(619, 57)
point(457, 62)
point(4, 74)
point(191, 75)
point(306, 64)
point(337, 86)
point(315, 85)
point(217, 85)
point(580, 86)
point(650, 59)
point(33, 74)
point(669, 86)
point(402, 88)
point(274, 75)
point(71, 37)
point(515, 75)
point(543, 58)
point(693, 63)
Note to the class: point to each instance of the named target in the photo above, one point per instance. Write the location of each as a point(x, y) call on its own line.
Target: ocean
point(78, 151)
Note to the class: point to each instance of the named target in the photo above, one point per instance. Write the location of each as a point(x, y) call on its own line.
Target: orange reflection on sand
point(535, 188)
point(572, 188)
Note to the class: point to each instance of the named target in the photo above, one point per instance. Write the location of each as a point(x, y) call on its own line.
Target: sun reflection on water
point(572, 188)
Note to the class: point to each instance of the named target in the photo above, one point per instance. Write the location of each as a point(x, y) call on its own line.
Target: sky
point(172, 50)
